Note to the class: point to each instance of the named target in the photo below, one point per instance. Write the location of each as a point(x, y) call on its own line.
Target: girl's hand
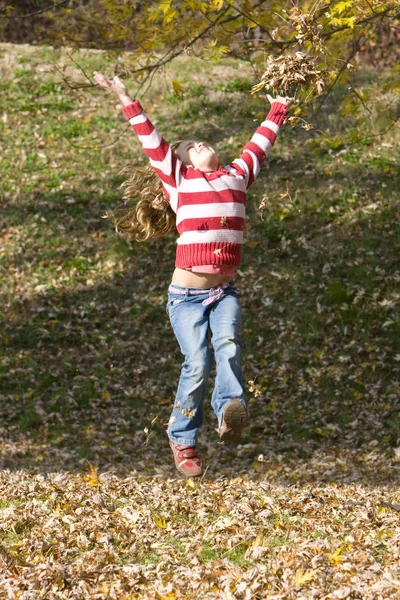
point(281, 99)
point(115, 85)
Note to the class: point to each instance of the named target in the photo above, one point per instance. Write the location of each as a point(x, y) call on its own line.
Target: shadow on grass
point(88, 366)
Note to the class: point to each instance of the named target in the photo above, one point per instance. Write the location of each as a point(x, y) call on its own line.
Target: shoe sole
point(235, 417)
point(189, 474)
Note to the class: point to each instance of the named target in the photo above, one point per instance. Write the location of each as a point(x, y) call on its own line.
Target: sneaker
point(234, 420)
point(187, 460)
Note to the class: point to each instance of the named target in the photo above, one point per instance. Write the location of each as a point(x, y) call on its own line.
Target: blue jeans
point(191, 319)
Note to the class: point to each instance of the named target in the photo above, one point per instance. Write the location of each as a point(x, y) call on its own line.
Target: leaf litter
point(138, 536)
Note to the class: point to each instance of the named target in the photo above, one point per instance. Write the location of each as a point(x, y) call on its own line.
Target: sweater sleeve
point(163, 160)
point(256, 151)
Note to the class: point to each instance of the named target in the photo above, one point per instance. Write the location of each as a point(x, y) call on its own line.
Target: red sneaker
point(233, 421)
point(187, 460)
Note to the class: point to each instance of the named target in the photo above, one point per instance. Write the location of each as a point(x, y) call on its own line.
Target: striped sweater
point(209, 205)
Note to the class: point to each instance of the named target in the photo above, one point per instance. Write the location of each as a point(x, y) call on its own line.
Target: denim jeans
point(193, 313)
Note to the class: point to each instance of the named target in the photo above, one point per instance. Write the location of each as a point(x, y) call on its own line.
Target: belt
point(216, 292)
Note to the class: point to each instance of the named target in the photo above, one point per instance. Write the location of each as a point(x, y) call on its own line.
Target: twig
point(253, 21)
point(188, 45)
point(360, 98)
point(204, 474)
point(375, 135)
point(241, 543)
point(344, 66)
point(376, 15)
point(371, 7)
point(168, 57)
point(151, 74)
point(80, 68)
point(65, 80)
point(370, 137)
point(199, 36)
point(328, 34)
point(41, 10)
point(96, 146)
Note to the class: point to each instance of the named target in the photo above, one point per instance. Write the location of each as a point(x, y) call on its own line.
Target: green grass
point(8, 503)
point(150, 559)
point(240, 84)
point(319, 286)
point(209, 553)
point(276, 541)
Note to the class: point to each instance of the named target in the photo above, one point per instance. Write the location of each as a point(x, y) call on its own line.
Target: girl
point(206, 202)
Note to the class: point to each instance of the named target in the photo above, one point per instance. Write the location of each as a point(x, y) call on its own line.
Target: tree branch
point(329, 90)
point(375, 135)
point(351, 89)
point(204, 32)
point(246, 16)
point(97, 146)
point(65, 80)
point(37, 12)
point(197, 37)
point(384, 13)
point(344, 66)
point(273, 43)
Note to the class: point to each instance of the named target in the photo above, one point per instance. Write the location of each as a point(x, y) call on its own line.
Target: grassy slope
point(89, 361)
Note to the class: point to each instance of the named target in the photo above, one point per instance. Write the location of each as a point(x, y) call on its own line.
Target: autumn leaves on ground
point(307, 505)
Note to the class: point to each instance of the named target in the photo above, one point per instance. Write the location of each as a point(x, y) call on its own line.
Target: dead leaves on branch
point(285, 73)
point(291, 71)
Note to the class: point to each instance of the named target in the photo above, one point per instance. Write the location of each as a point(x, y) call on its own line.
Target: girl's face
point(198, 154)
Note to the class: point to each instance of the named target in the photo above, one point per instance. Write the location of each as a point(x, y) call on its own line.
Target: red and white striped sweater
point(209, 206)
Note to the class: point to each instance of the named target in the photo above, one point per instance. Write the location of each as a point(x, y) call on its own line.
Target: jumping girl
point(206, 202)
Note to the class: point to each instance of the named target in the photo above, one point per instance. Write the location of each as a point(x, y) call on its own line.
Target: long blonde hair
point(151, 215)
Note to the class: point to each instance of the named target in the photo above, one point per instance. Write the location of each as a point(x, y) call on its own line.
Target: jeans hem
point(174, 440)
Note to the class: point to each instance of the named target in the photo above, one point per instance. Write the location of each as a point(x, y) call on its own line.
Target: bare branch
point(272, 43)
point(381, 15)
point(97, 146)
point(371, 7)
point(344, 66)
point(188, 45)
point(360, 98)
point(81, 70)
point(66, 81)
point(37, 12)
point(246, 16)
point(376, 135)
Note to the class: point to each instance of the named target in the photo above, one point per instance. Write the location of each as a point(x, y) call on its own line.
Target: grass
point(209, 554)
point(89, 365)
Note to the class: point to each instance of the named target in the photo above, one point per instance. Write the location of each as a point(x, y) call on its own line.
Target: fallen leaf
point(302, 577)
point(160, 522)
point(92, 479)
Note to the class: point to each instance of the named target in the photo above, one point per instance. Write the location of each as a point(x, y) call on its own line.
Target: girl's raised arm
point(162, 158)
point(256, 151)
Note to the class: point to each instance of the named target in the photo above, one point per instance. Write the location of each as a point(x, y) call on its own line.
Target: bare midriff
point(190, 279)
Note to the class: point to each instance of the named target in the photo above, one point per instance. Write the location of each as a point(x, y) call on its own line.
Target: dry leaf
point(252, 244)
point(160, 521)
point(335, 557)
point(302, 577)
point(178, 88)
point(91, 479)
